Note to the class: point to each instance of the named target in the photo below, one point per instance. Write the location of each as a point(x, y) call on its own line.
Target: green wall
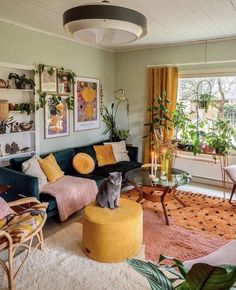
point(131, 72)
point(23, 46)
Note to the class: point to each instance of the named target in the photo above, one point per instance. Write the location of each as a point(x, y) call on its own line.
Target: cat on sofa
point(109, 191)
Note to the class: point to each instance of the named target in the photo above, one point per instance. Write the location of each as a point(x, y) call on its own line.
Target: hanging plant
point(68, 73)
point(204, 101)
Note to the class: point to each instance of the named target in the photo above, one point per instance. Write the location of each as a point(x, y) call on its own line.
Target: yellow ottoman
point(113, 235)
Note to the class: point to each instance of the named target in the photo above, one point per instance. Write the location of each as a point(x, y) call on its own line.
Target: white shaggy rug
point(64, 266)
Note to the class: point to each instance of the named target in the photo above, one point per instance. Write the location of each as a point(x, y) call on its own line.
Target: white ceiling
point(169, 21)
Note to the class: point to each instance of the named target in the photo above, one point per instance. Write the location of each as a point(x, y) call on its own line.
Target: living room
point(177, 183)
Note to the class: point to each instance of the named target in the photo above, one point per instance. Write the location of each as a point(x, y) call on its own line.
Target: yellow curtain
point(161, 81)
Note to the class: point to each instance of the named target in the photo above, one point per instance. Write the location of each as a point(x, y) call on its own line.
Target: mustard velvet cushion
point(51, 168)
point(104, 155)
point(113, 235)
point(83, 163)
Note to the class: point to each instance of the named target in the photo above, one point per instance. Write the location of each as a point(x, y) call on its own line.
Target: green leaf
point(207, 277)
point(156, 279)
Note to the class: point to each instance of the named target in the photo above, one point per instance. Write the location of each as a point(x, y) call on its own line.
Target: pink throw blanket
point(71, 193)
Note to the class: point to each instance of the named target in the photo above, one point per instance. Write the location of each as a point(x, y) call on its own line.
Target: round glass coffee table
point(162, 189)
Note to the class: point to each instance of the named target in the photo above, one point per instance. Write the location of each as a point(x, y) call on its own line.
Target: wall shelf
point(16, 90)
point(20, 154)
point(16, 133)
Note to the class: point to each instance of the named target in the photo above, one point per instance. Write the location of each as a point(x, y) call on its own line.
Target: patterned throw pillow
point(33, 168)
point(120, 151)
point(83, 163)
point(104, 155)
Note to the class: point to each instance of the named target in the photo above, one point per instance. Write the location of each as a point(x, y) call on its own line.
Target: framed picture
point(56, 117)
point(86, 104)
point(65, 80)
point(48, 79)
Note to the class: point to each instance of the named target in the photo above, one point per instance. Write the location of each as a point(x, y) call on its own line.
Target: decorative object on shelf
point(5, 124)
point(8, 86)
point(26, 126)
point(4, 110)
point(104, 24)
point(21, 82)
point(25, 149)
point(3, 84)
point(56, 117)
point(86, 104)
point(48, 78)
point(12, 149)
point(16, 127)
point(66, 81)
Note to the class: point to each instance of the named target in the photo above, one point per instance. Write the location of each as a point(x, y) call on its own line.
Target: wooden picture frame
point(65, 82)
point(57, 118)
point(48, 79)
point(87, 104)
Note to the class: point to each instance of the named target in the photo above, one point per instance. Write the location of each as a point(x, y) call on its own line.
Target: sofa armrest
point(20, 183)
point(132, 152)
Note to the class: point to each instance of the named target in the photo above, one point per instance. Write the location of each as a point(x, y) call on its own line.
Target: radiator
point(200, 166)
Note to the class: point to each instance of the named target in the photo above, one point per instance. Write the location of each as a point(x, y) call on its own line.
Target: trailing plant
point(199, 277)
point(42, 67)
point(68, 73)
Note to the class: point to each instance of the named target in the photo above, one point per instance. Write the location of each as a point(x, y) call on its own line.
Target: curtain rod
point(192, 63)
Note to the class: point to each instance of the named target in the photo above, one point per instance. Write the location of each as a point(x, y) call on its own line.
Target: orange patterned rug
point(211, 215)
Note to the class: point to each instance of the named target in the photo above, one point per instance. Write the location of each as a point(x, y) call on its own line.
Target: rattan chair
point(27, 243)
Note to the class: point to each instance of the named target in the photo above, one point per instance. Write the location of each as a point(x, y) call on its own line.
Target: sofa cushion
point(51, 168)
point(64, 159)
point(104, 155)
point(83, 163)
point(88, 150)
point(123, 166)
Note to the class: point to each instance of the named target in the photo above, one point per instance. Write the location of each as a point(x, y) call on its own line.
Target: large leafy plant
point(199, 277)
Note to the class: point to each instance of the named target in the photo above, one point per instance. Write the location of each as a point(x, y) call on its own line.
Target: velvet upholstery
point(27, 185)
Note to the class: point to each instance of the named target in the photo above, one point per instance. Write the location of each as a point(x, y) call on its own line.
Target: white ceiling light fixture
point(104, 24)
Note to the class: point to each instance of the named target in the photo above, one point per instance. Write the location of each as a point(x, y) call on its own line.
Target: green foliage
point(221, 136)
point(199, 277)
point(21, 81)
point(5, 124)
point(160, 119)
point(180, 120)
point(204, 101)
point(122, 134)
point(68, 73)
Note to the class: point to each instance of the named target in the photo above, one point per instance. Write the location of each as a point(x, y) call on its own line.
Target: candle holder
point(163, 175)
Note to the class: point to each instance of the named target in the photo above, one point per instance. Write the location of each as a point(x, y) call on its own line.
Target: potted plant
point(5, 124)
point(122, 134)
point(200, 276)
point(221, 137)
point(204, 101)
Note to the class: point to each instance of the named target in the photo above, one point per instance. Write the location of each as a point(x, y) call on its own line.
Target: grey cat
point(109, 191)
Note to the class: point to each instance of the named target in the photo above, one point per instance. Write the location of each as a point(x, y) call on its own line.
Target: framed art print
point(56, 118)
point(65, 81)
point(86, 104)
point(48, 79)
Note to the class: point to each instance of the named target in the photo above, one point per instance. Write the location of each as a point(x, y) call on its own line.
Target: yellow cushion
point(83, 163)
point(113, 235)
point(51, 168)
point(104, 155)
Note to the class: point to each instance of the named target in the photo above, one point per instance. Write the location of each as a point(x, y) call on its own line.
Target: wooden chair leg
point(41, 240)
point(10, 269)
point(232, 193)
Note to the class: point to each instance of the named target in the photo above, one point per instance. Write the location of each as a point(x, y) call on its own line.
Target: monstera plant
point(199, 277)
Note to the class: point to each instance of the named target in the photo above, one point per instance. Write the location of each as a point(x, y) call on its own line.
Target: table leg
point(165, 212)
point(178, 199)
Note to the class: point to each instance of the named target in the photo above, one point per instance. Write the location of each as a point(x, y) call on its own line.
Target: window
point(206, 114)
point(223, 90)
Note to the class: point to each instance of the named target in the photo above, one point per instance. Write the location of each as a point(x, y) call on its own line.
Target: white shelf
point(21, 132)
point(16, 90)
point(20, 154)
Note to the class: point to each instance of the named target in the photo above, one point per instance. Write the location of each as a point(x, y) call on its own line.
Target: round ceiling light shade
point(104, 24)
